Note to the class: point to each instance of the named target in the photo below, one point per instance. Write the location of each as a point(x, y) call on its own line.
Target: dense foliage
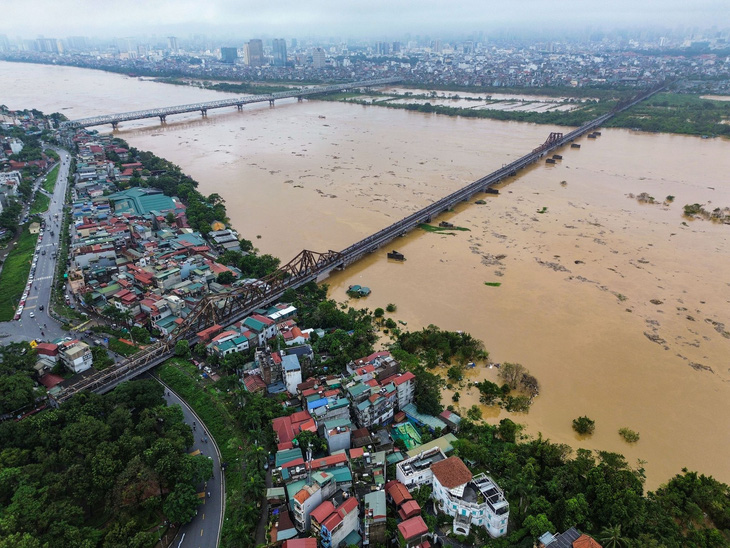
point(16, 377)
point(101, 471)
point(549, 488)
point(675, 113)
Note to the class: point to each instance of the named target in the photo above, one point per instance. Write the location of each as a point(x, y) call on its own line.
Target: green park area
point(40, 204)
point(14, 274)
point(50, 182)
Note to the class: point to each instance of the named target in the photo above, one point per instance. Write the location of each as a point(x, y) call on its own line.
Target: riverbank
point(682, 114)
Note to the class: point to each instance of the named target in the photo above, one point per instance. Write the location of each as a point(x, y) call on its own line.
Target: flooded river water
point(619, 308)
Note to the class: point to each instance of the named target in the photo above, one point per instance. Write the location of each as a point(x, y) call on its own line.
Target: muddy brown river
point(621, 309)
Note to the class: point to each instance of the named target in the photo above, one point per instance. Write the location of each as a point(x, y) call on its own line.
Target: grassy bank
point(40, 204)
point(50, 183)
point(209, 404)
point(575, 117)
point(14, 275)
point(677, 113)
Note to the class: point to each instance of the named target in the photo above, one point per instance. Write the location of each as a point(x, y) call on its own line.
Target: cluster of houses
point(342, 497)
point(133, 249)
point(11, 169)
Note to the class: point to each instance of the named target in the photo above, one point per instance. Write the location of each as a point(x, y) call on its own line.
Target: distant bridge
point(234, 305)
point(203, 108)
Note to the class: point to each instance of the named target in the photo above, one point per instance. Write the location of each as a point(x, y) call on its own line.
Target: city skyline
point(377, 19)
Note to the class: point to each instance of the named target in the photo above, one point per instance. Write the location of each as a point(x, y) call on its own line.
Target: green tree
point(310, 439)
point(140, 335)
point(16, 392)
point(584, 425)
point(508, 430)
point(379, 313)
point(226, 277)
point(100, 358)
point(474, 413)
point(181, 504)
point(611, 537)
point(182, 349)
point(427, 394)
point(537, 525)
point(391, 308)
point(170, 218)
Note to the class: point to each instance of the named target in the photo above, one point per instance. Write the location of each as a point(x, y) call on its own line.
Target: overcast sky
point(344, 18)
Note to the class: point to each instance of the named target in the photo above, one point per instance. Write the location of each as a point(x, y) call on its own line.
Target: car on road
point(32, 314)
point(40, 308)
point(43, 252)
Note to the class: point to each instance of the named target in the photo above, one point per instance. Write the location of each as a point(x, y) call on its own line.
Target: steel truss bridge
point(203, 108)
point(234, 305)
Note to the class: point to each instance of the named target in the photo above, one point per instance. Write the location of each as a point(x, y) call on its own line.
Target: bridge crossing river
point(163, 112)
point(227, 308)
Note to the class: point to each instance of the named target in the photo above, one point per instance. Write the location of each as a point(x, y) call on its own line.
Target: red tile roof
point(451, 472)
point(300, 543)
point(412, 528)
point(407, 376)
point(321, 512)
point(409, 509)
point(398, 492)
point(49, 380)
point(584, 541)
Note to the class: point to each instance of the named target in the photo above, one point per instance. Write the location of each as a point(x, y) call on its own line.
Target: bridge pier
point(300, 99)
point(115, 125)
point(204, 112)
point(163, 118)
point(239, 107)
point(271, 103)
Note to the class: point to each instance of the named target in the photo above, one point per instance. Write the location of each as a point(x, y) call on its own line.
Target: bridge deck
point(222, 103)
point(308, 270)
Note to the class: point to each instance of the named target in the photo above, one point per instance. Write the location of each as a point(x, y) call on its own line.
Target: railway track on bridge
point(227, 308)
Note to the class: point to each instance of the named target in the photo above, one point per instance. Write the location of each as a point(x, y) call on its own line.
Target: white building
point(416, 471)
point(310, 496)
point(292, 372)
point(476, 500)
point(75, 355)
point(406, 385)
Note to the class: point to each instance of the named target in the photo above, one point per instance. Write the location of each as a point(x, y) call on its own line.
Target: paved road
point(204, 530)
point(27, 328)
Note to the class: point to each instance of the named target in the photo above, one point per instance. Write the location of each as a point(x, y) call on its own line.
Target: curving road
point(204, 530)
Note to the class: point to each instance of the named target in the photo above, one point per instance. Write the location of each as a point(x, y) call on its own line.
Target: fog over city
point(350, 19)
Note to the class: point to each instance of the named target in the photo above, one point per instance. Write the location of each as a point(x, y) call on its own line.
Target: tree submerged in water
point(584, 425)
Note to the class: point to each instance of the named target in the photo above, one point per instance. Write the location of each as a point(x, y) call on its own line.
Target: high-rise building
point(172, 44)
point(318, 58)
point(253, 53)
point(279, 52)
point(229, 55)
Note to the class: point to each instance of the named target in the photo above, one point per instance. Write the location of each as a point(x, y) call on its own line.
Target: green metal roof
point(444, 442)
point(140, 201)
